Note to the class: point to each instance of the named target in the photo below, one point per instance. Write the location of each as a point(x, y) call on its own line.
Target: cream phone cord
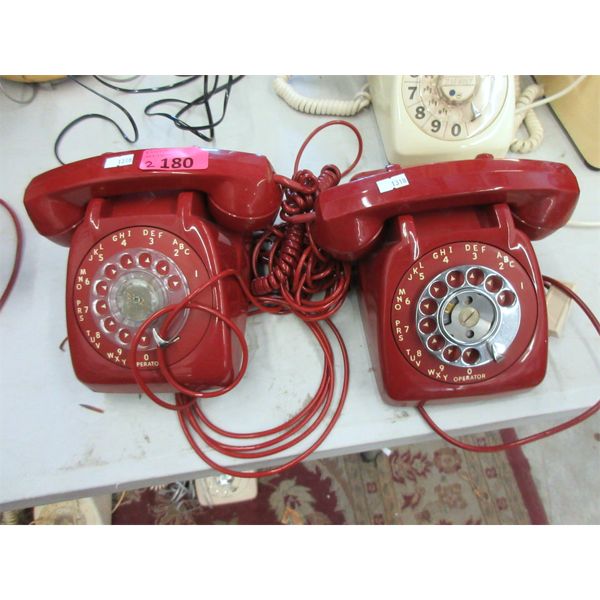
point(526, 102)
point(525, 115)
point(315, 106)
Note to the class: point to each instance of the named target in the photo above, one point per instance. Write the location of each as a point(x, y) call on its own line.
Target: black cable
point(97, 116)
point(204, 99)
point(161, 88)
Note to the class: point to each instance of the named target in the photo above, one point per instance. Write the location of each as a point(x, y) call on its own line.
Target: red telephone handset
point(143, 232)
point(451, 293)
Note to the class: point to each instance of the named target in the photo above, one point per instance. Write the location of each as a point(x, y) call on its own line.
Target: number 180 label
point(174, 159)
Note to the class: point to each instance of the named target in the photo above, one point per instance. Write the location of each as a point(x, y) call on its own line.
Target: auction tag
point(392, 183)
point(174, 159)
point(123, 160)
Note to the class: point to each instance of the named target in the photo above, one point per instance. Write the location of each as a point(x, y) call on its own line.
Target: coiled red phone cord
point(289, 270)
point(18, 253)
point(542, 434)
point(297, 270)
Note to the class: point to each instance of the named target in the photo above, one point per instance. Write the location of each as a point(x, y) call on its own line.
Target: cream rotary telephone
point(435, 118)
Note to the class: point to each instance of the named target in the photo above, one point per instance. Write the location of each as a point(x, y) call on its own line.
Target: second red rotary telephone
point(452, 297)
point(145, 228)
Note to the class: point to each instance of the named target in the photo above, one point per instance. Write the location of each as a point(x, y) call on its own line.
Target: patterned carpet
point(431, 483)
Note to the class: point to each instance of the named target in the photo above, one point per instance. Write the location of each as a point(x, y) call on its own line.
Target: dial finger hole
point(428, 307)
point(435, 342)
point(125, 336)
point(493, 283)
point(451, 353)
point(471, 356)
point(162, 267)
point(101, 307)
point(427, 325)
point(145, 340)
point(110, 271)
point(101, 288)
point(126, 261)
point(475, 276)
point(174, 283)
point(110, 325)
point(145, 260)
point(455, 278)
point(506, 298)
point(438, 289)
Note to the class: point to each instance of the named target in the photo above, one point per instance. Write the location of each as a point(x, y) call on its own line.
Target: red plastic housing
point(427, 228)
point(140, 238)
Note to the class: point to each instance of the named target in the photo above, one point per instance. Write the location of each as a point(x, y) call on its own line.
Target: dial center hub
point(468, 316)
point(136, 296)
point(457, 89)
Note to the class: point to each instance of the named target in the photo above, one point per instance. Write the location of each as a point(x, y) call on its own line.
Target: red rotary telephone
point(161, 247)
point(145, 228)
point(451, 293)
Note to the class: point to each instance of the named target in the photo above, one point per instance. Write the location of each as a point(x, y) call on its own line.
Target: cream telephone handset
point(436, 118)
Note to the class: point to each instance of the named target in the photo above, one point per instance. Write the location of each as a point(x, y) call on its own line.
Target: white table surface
point(51, 448)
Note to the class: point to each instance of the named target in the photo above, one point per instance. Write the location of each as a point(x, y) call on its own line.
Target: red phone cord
point(18, 253)
point(189, 412)
point(297, 270)
point(537, 436)
point(244, 451)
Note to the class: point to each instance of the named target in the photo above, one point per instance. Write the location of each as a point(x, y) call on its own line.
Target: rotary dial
point(454, 107)
point(126, 277)
point(468, 316)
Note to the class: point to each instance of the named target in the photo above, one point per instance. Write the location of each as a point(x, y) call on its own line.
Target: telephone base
point(464, 319)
